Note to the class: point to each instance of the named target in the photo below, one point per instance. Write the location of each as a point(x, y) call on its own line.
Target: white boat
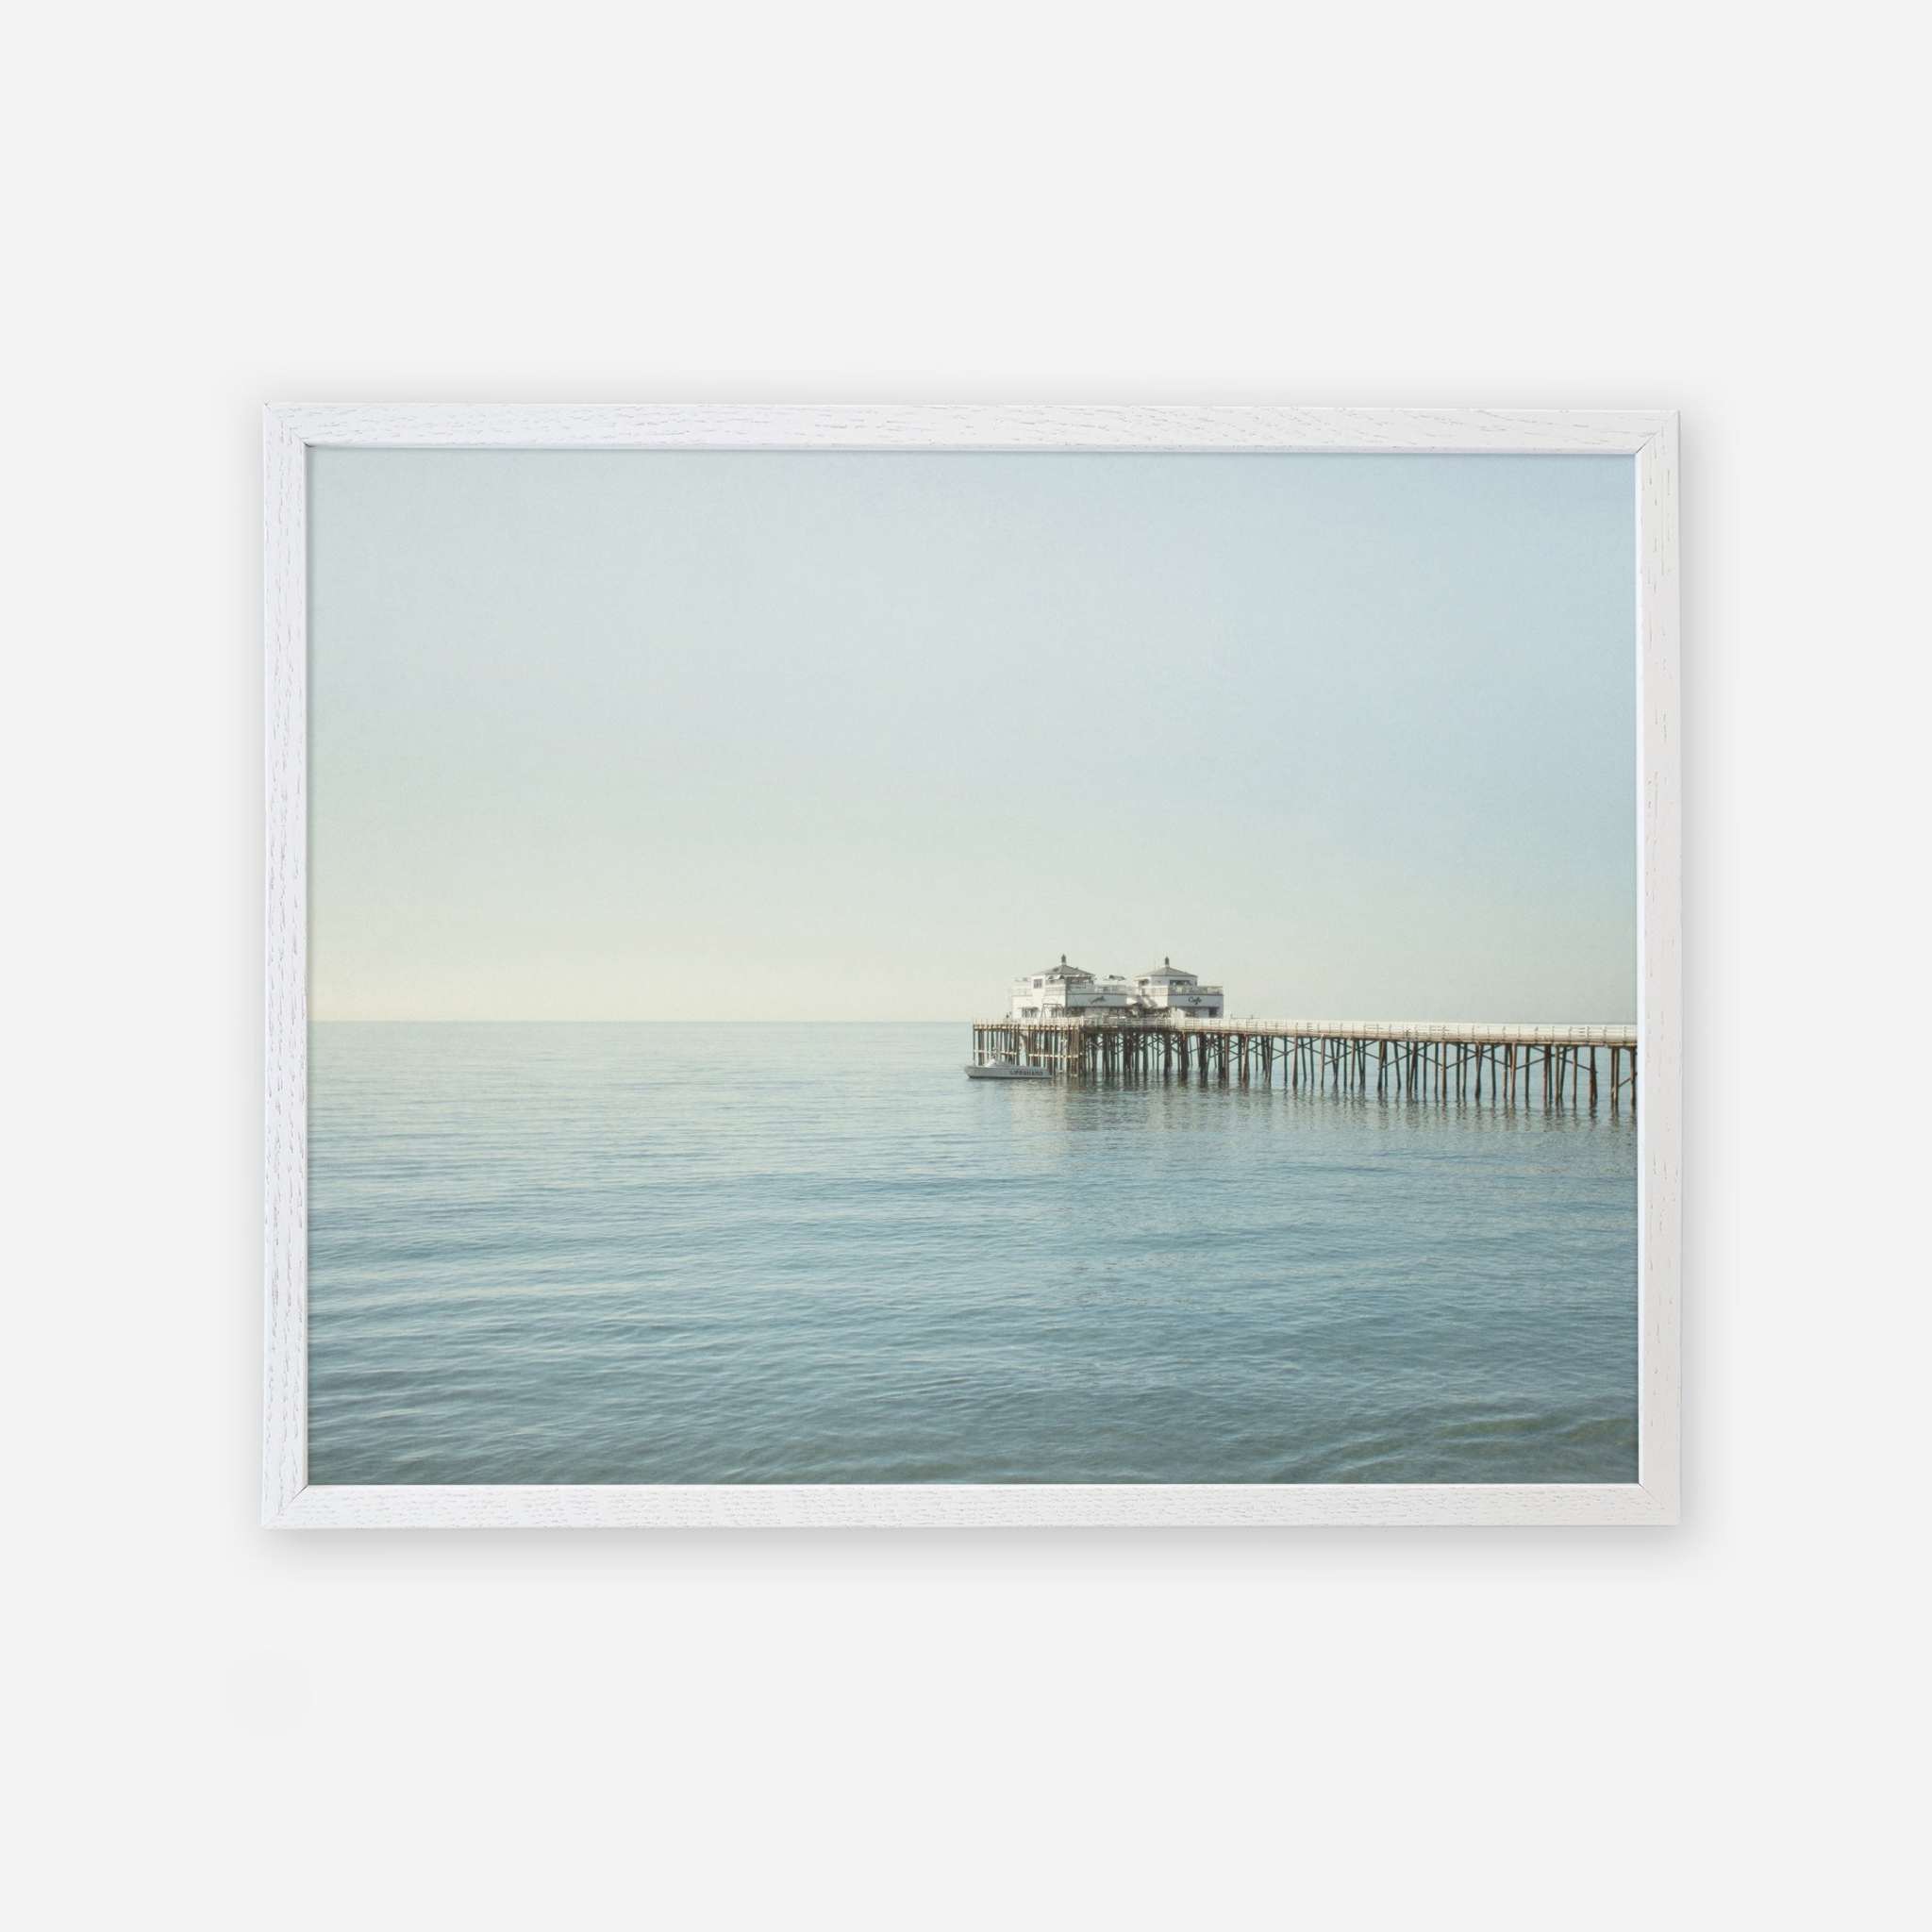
point(1005, 1070)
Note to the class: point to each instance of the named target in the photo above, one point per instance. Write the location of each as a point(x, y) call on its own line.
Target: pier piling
point(1466, 1063)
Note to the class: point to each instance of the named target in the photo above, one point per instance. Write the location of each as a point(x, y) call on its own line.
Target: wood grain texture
point(288, 432)
point(968, 426)
point(285, 1122)
point(969, 1505)
point(1661, 986)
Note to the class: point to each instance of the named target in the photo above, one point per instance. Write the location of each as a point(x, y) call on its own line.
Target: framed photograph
point(822, 966)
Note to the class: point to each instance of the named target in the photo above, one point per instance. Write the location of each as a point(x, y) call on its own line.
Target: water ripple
point(816, 1253)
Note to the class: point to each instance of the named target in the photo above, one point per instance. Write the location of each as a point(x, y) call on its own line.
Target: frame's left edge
point(1660, 997)
point(285, 1042)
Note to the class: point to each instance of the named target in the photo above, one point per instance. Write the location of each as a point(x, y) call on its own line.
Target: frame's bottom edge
point(1042, 1506)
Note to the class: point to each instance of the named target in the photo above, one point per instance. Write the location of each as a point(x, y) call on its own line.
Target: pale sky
point(627, 735)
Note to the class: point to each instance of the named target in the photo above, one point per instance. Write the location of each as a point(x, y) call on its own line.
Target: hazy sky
point(628, 735)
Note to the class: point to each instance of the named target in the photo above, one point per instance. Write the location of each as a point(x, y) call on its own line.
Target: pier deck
point(1503, 1063)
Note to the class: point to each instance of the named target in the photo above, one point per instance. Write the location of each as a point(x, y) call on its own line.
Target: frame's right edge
point(1660, 949)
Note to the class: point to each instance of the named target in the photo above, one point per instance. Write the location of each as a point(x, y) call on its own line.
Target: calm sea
point(763, 1253)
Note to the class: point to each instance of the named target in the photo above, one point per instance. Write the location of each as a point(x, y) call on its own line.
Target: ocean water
point(763, 1253)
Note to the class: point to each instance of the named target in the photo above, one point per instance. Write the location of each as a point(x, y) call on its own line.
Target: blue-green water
point(758, 1253)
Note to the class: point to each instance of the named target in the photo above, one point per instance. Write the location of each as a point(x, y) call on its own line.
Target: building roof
point(1063, 971)
point(1168, 970)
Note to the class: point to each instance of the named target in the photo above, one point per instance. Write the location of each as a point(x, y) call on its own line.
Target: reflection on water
point(818, 1254)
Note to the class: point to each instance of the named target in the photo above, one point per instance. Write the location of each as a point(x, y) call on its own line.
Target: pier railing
point(1465, 1032)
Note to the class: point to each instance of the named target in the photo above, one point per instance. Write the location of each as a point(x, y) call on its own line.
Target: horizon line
point(1232, 1024)
point(655, 1020)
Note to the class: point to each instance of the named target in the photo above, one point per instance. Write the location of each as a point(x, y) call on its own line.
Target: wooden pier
point(1502, 1064)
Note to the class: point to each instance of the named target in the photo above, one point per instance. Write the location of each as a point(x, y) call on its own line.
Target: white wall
point(1513, 205)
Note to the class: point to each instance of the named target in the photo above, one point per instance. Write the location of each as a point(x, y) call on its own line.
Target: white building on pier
point(1064, 992)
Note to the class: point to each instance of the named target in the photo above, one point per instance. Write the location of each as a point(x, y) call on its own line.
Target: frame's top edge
point(1259, 428)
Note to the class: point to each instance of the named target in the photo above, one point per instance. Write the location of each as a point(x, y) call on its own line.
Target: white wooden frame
point(289, 433)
